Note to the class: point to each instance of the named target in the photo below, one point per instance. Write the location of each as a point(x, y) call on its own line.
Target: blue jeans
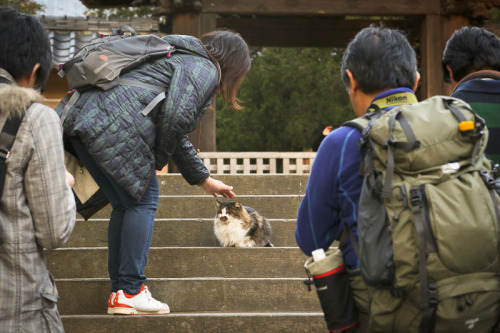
point(130, 227)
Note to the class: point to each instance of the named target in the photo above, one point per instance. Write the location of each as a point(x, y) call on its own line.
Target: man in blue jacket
point(379, 66)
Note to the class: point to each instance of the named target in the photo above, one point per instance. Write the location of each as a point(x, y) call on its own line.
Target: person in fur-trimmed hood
point(121, 147)
point(471, 64)
point(37, 207)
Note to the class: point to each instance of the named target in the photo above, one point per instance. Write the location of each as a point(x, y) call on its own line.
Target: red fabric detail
point(130, 296)
point(334, 271)
point(345, 328)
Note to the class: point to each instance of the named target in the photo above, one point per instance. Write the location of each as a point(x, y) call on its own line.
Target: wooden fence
point(258, 162)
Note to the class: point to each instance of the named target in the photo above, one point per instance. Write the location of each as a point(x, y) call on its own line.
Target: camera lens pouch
point(331, 281)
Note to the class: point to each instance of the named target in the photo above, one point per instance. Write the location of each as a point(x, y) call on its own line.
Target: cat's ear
point(237, 204)
point(218, 203)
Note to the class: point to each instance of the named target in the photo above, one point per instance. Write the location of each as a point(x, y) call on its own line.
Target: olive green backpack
point(428, 219)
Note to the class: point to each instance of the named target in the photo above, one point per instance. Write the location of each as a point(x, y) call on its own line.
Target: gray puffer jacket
point(129, 145)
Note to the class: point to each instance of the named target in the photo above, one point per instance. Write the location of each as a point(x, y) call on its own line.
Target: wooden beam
point(323, 7)
point(209, 121)
point(431, 48)
point(208, 22)
point(92, 24)
point(494, 27)
point(194, 24)
point(187, 23)
point(107, 3)
point(300, 31)
point(203, 137)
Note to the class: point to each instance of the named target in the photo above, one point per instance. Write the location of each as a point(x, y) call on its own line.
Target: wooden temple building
point(321, 23)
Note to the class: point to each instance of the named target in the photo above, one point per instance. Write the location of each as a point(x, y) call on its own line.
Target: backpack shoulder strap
point(361, 124)
point(7, 138)
point(358, 123)
point(8, 134)
point(345, 236)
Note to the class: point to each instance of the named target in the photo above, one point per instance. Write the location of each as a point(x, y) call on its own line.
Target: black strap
point(428, 319)
point(7, 137)
point(412, 143)
point(416, 202)
point(497, 328)
point(429, 297)
point(491, 184)
point(67, 65)
point(121, 32)
point(389, 143)
point(387, 191)
point(343, 239)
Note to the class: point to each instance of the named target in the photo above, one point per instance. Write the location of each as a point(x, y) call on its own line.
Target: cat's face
point(229, 211)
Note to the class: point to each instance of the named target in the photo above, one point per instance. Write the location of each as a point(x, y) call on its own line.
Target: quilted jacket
point(129, 145)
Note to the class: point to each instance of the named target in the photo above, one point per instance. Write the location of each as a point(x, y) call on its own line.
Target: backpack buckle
point(388, 142)
point(433, 294)
point(415, 197)
point(488, 179)
point(495, 172)
point(4, 154)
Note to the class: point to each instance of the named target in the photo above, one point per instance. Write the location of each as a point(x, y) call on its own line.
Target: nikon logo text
point(396, 99)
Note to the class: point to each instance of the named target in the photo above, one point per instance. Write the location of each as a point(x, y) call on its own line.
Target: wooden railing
point(102, 25)
point(258, 162)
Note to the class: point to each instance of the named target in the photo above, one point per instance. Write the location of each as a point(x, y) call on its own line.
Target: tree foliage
point(23, 6)
point(141, 12)
point(290, 95)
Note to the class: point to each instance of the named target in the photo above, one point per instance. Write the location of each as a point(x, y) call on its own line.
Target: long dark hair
point(231, 52)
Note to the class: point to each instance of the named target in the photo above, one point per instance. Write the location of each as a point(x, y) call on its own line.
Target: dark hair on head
point(468, 50)
point(24, 44)
point(380, 58)
point(231, 52)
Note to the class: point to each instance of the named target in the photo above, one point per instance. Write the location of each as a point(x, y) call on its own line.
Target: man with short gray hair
point(379, 67)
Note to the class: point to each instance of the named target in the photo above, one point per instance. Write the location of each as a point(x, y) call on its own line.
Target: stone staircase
point(208, 288)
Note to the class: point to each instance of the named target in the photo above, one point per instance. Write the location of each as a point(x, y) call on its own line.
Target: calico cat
point(240, 226)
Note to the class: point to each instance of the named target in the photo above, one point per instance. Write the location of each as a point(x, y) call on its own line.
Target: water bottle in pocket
point(331, 280)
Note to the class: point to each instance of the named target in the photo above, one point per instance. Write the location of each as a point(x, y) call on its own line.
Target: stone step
point(204, 206)
point(222, 295)
point(209, 288)
point(276, 184)
point(183, 262)
point(175, 232)
point(199, 322)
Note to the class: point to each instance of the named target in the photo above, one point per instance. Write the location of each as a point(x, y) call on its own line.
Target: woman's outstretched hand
point(214, 187)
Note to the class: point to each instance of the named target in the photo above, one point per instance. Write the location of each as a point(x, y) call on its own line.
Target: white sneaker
point(111, 303)
point(141, 303)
